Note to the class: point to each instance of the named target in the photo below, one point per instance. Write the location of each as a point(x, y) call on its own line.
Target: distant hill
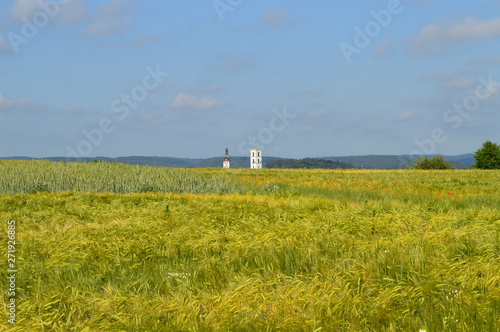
point(462, 158)
point(463, 161)
point(376, 161)
point(308, 163)
point(135, 160)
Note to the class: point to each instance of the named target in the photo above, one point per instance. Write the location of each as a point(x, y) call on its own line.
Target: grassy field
point(110, 247)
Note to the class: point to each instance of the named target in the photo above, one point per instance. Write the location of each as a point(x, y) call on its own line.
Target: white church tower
point(227, 161)
point(256, 158)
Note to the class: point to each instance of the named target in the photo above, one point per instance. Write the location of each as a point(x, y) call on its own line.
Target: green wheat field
point(113, 247)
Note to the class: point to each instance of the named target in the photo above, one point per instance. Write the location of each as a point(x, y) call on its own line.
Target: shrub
point(436, 162)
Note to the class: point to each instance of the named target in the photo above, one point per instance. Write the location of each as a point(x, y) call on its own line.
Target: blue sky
point(295, 78)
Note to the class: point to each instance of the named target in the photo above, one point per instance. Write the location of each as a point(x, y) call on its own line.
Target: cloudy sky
point(295, 78)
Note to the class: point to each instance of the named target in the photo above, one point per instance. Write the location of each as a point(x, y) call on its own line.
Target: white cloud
point(277, 19)
point(433, 37)
point(66, 13)
point(233, 64)
point(212, 88)
point(110, 19)
point(141, 41)
point(458, 83)
point(156, 118)
point(384, 49)
point(407, 116)
point(76, 110)
point(24, 8)
point(439, 102)
point(345, 124)
point(319, 113)
point(73, 12)
point(108, 26)
point(18, 105)
point(184, 101)
point(455, 81)
point(495, 60)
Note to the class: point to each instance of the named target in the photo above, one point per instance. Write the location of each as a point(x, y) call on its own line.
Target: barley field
point(112, 247)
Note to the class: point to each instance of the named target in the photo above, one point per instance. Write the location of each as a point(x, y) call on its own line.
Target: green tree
point(488, 157)
point(436, 162)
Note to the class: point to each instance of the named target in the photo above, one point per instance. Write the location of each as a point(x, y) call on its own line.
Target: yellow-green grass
point(252, 250)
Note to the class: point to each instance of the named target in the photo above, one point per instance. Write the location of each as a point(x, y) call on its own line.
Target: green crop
point(109, 247)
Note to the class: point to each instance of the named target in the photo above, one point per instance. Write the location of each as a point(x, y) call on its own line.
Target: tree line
point(487, 157)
